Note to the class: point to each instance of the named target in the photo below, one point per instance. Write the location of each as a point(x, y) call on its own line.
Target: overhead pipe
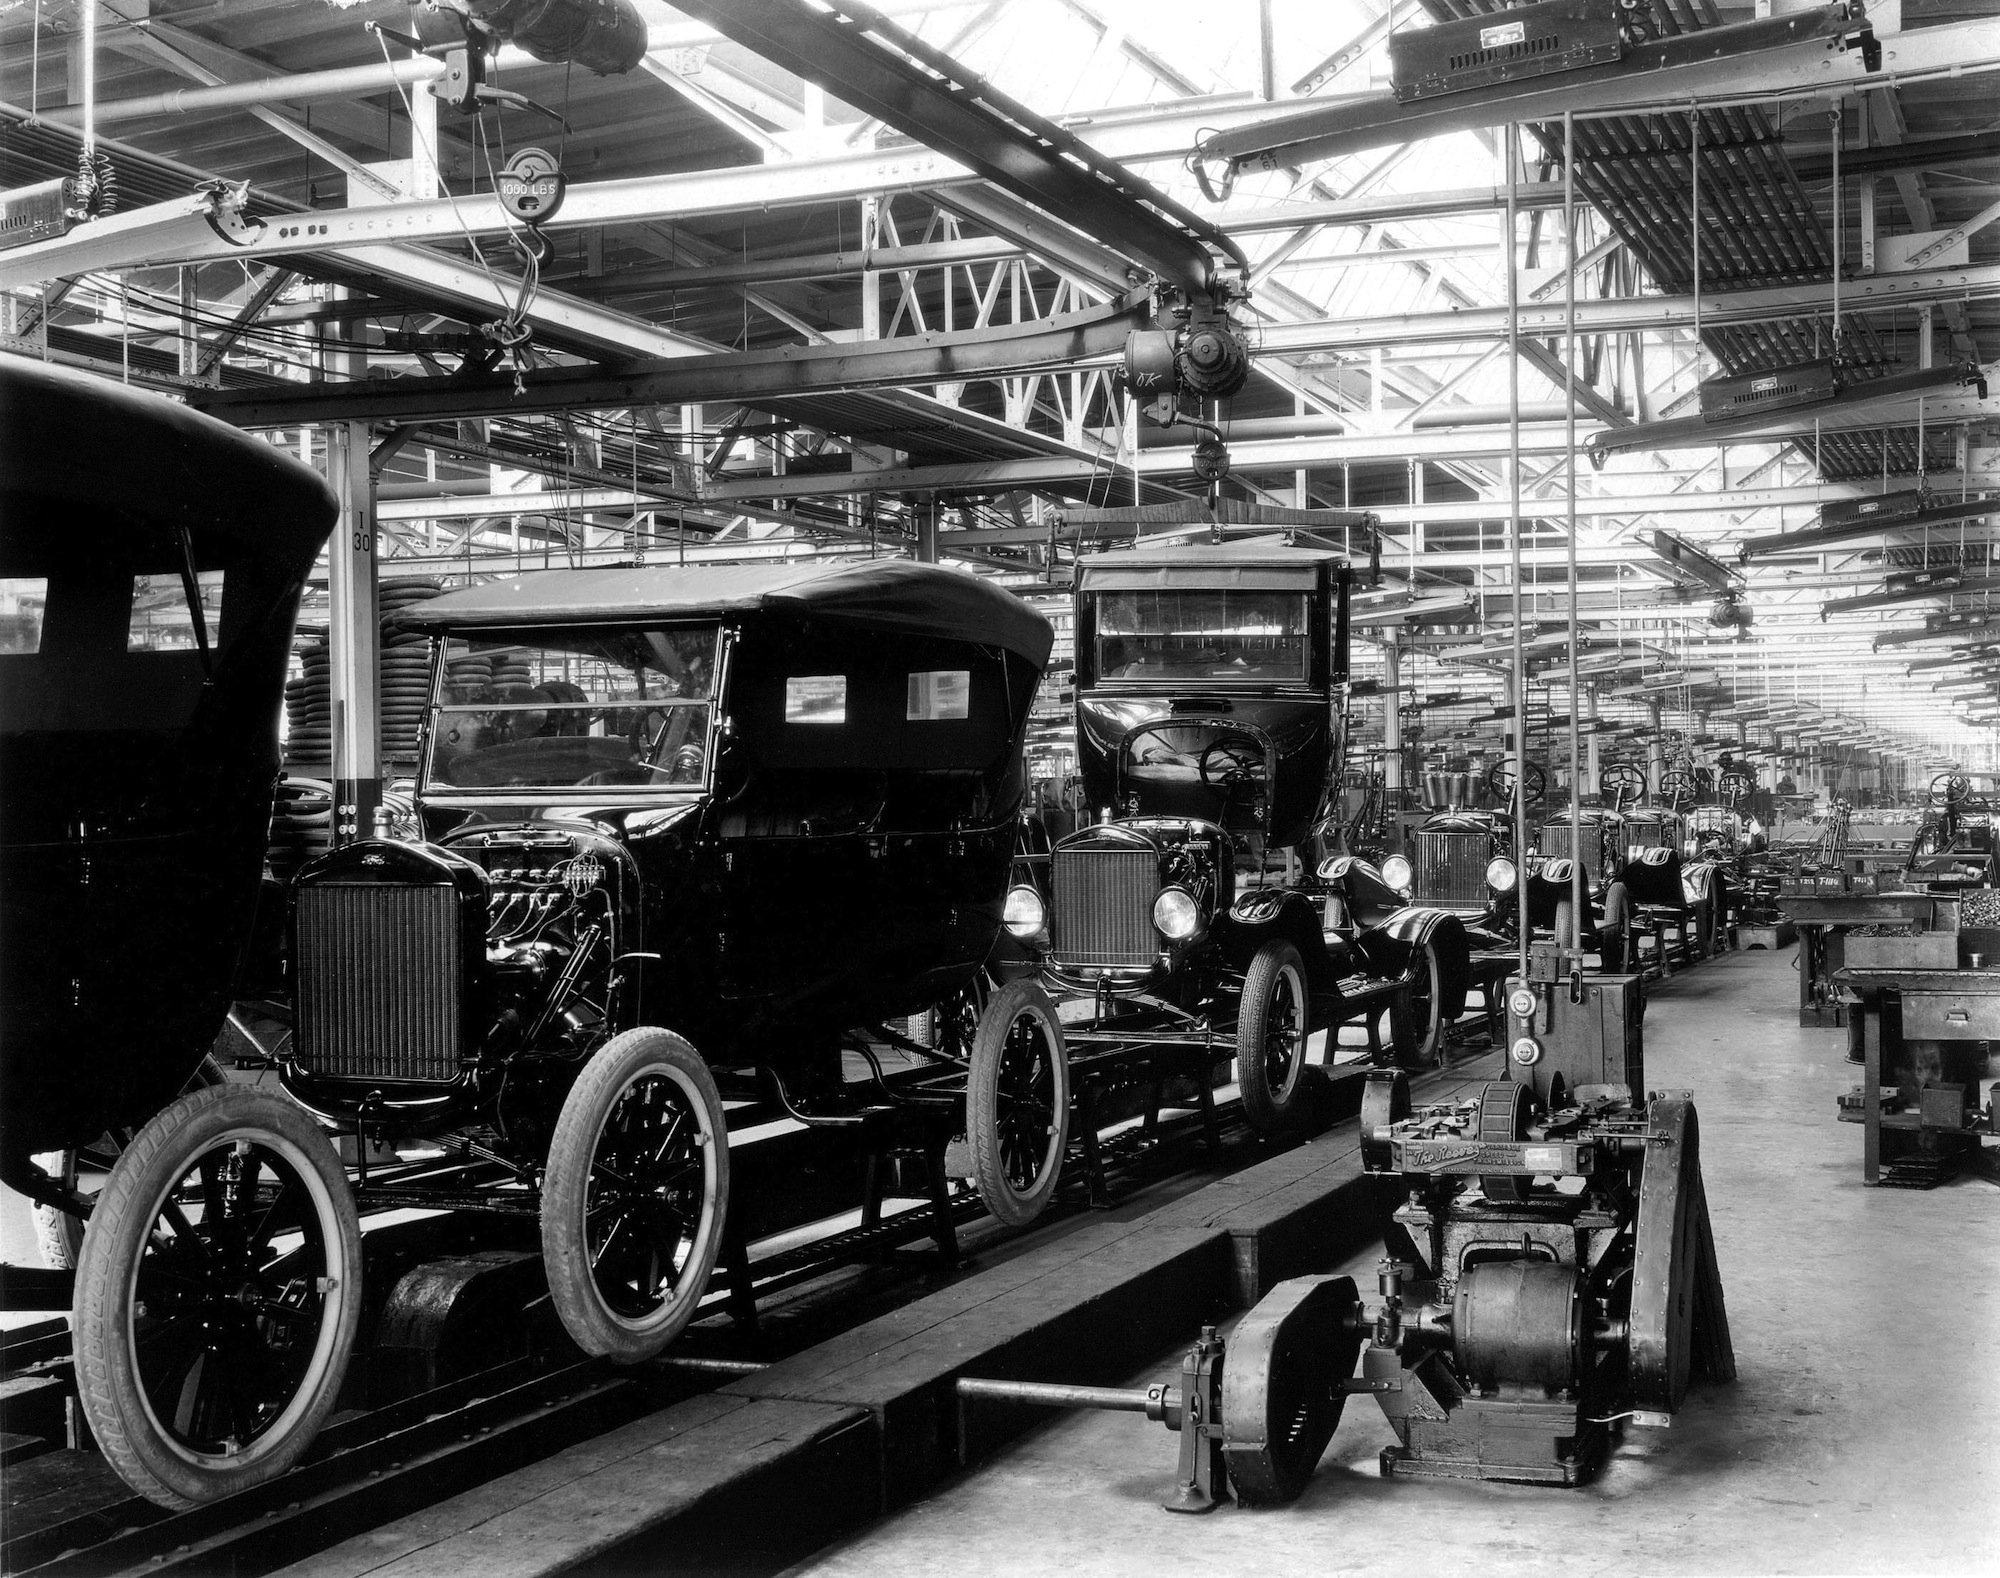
point(339, 83)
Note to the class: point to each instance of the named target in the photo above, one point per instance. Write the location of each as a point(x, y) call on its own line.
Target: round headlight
point(1396, 872)
point(1025, 914)
point(1500, 874)
point(1176, 915)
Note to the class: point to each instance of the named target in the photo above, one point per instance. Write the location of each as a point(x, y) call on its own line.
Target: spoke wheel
point(1017, 1103)
point(1271, 1033)
point(84, 1170)
point(217, 1296)
point(635, 1195)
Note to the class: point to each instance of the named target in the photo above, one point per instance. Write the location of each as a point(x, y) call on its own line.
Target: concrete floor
point(1861, 1436)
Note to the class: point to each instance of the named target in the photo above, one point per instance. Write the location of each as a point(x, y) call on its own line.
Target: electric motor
point(1520, 1321)
point(604, 36)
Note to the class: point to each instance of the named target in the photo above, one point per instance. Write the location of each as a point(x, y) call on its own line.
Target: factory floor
point(1862, 1434)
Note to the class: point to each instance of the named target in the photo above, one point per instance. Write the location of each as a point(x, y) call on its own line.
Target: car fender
point(1394, 942)
point(1261, 914)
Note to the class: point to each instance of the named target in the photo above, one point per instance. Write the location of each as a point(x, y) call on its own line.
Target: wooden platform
point(868, 1421)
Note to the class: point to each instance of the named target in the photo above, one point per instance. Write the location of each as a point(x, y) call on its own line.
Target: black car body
point(152, 562)
point(773, 803)
point(1210, 728)
point(138, 744)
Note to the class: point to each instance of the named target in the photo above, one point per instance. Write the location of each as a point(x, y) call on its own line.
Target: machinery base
point(1517, 1443)
point(1782, 935)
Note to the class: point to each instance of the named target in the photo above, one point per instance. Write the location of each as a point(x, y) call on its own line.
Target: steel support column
point(354, 634)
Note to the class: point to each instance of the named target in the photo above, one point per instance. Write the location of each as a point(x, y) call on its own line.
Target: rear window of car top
point(816, 698)
point(23, 601)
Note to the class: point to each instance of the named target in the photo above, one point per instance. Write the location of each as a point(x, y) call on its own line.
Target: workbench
point(1924, 1036)
point(1823, 921)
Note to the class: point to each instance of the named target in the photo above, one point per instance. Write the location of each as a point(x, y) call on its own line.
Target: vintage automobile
point(1667, 903)
point(680, 829)
point(1724, 867)
point(1210, 721)
point(151, 566)
point(1461, 859)
point(1604, 852)
point(1954, 845)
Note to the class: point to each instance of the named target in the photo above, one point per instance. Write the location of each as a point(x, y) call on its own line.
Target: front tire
point(635, 1195)
point(1017, 1103)
point(1428, 1024)
point(1271, 1032)
point(217, 1296)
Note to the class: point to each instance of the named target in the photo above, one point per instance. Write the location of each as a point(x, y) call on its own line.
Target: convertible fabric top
point(892, 595)
point(1265, 564)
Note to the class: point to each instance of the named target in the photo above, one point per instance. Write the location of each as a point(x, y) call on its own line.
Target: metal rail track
point(368, 1468)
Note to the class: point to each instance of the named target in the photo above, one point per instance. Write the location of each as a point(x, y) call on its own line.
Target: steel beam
point(1633, 313)
point(1097, 332)
point(895, 77)
point(642, 199)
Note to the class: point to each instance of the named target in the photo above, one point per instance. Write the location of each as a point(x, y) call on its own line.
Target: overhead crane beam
point(411, 398)
point(1782, 56)
point(1097, 333)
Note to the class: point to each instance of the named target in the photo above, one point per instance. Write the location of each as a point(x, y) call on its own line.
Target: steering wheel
point(1619, 782)
point(687, 765)
point(1734, 788)
point(1677, 789)
point(1950, 789)
point(1500, 781)
point(1231, 759)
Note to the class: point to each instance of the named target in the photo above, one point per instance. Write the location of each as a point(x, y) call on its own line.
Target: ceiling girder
point(885, 72)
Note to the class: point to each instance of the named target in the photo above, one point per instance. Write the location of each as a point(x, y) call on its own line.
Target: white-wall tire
point(217, 1295)
point(635, 1195)
point(1017, 1103)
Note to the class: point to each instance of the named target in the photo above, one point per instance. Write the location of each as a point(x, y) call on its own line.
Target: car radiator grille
point(1451, 868)
point(1103, 913)
point(1556, 845)
point(380, 975)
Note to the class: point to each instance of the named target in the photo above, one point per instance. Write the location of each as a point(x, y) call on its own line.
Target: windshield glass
point(1202, 635)
point(575, 709)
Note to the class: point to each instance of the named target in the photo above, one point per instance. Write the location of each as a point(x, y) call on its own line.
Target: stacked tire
point(403, 694)
point(301, 825)
point(309, 710)
point(405, 681)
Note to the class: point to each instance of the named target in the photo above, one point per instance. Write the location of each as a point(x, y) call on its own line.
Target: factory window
point(23, 600)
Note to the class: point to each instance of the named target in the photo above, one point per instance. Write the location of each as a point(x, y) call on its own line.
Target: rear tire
point(1017, 1103)
point(217, 1296)
point(1271, 1032)
point(635, 1196)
